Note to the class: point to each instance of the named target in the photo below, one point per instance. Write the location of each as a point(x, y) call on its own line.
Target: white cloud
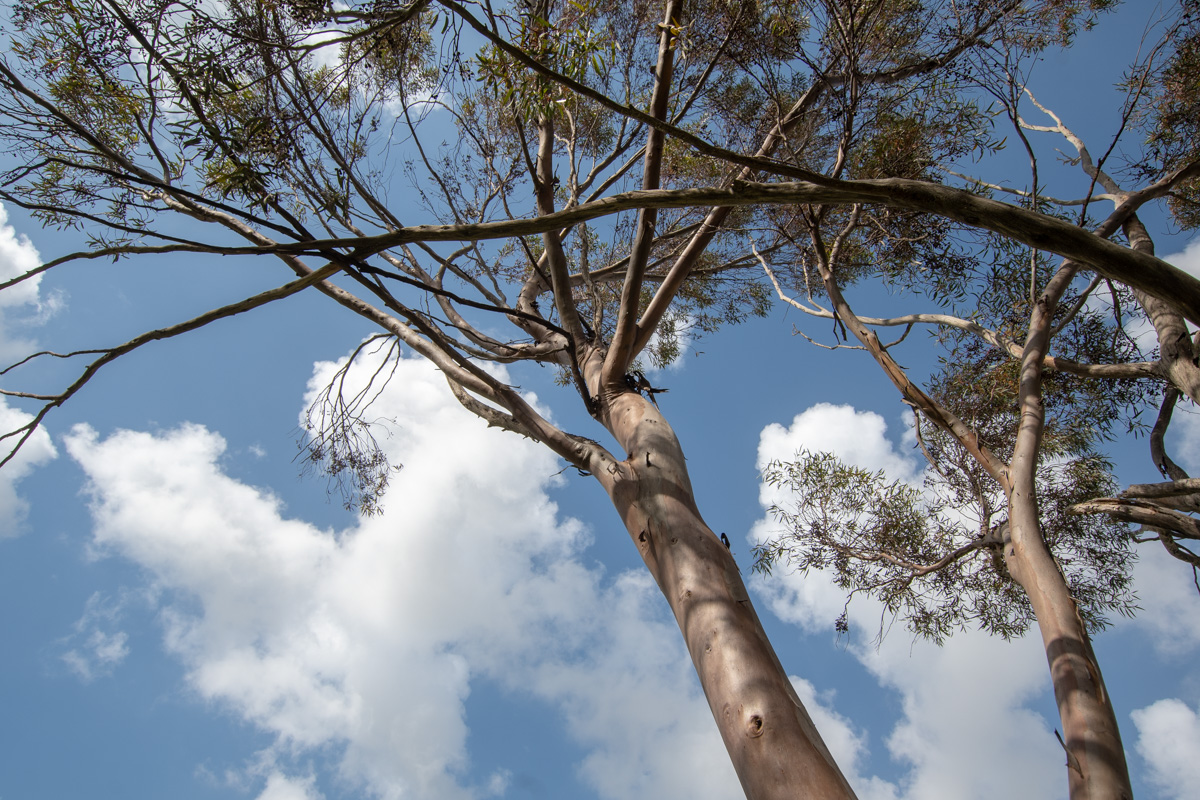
point(17, 256)
point(36, 451)
point(951, 734)
point(366, 642)
point(281, 787)
point(848, 746)
point(633, 700)
point(21, 303)
point(1187, 259)
point(1169, 739)
point(100, 654)
point(498, 783)
point(96, 649)
point(858, 437)
point(1167, 595)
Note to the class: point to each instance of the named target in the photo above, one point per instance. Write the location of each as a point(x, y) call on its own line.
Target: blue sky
point(183, 615)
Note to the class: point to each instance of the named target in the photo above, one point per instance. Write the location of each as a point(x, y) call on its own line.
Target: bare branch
point(112, 354)
point(623, 348)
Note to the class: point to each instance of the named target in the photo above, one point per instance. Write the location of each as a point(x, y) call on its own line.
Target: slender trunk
point(1096, 768)
point(1095, 756)
point(772, 742)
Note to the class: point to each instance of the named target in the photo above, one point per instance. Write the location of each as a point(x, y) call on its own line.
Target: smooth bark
point(772, 741)
point(1096, 768)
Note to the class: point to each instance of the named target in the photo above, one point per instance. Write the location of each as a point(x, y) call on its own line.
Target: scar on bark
point(646, 541)
point(1072, 761)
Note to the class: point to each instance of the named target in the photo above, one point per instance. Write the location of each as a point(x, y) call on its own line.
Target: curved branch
point(1135, 269)
point(1141, 512)
point(1158, 450)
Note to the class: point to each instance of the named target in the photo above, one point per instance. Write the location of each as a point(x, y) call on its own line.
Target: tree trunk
point(774, 746)
point(1096, 768)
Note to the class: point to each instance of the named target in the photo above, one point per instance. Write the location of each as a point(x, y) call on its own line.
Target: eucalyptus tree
point(593, 175)
point(1039, 367)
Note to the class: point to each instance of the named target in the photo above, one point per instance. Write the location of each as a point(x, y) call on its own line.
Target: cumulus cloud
point(859, 439)
point(848, 745)
point(367, 642)
point(633, 700)
point(950, 735)
point(36, 451)
point(1169, 739)
point(20, 304)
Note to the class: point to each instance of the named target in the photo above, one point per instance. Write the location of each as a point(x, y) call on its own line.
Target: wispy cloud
point(97, 645)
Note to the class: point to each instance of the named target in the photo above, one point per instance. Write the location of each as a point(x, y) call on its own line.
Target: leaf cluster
point(909, 549)
point(932, 554)
point(1171, 124)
